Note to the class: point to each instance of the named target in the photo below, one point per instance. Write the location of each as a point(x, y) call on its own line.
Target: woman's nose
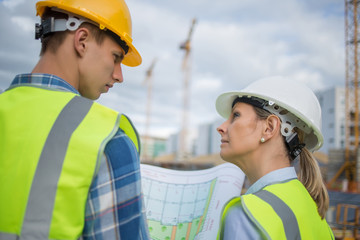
point(221, 128)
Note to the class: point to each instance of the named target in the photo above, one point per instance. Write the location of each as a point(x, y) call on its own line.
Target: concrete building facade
point(332, 102)
point(152, 147)
point(208, 140)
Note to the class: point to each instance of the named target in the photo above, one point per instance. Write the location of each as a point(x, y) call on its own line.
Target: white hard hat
point(303, 108)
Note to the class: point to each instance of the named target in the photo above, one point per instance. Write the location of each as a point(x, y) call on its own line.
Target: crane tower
point(352, 54)
point(149, 82)
point(186, 68)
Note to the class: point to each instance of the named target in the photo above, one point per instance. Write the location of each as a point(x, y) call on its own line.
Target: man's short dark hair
point(52, 41)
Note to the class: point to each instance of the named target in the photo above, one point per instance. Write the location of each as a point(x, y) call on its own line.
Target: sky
point(234, 42)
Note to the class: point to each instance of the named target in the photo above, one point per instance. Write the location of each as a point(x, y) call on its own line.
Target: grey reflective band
point(37, 220)
point(286, 215)
point(8, 236)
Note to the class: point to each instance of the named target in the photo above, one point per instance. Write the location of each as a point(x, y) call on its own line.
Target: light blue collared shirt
point(237, 224)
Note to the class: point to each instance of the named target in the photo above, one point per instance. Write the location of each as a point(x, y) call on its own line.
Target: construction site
point(340, 167)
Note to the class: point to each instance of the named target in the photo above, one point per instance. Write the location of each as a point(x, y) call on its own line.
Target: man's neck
point(60, 64)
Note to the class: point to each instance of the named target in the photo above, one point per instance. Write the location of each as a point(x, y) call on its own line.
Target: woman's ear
point(81, 38)
point(272, 126)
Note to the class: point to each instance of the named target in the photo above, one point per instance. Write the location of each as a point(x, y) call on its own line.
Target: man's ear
point(81, 38)
point(272, 126)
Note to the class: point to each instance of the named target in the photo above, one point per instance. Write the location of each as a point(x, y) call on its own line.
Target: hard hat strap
point(288, 122)
point(51, 25)
point(256, 102)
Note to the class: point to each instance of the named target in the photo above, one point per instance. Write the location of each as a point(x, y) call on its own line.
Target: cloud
point(23, 23)
point(11, 4)
point(233, 43)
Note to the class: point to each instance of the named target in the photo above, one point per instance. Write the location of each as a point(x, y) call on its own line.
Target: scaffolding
point(352, 39)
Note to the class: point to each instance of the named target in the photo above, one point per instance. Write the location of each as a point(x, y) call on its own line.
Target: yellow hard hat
point(113, 15)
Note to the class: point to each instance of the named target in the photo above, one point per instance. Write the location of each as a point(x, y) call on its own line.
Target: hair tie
point(293, 145)
point(296, 151)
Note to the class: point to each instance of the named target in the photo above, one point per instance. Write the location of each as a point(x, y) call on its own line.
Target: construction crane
point(351, 98)
point(149, 82)
point(186, 68)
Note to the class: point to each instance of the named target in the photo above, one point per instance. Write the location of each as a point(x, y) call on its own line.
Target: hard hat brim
point(131, 59)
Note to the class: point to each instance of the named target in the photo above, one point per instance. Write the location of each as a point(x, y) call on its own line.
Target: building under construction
point(341, 167)
point(351, 158)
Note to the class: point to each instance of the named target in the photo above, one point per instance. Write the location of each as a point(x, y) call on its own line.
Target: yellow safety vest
point(282, 211)
point(51, 143)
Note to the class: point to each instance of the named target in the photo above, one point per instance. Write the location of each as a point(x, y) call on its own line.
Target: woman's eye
point(235, 115)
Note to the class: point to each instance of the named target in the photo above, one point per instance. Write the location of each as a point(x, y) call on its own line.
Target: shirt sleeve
point(115, 208)
point(239, 226)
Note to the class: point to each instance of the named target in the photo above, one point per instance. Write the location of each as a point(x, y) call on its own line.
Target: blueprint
point(182, 205)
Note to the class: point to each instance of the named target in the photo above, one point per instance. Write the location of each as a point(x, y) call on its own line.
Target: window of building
point(342, 130)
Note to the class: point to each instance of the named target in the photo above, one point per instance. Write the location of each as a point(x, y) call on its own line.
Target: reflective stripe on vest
point(9, 236)
point(286, 215)
point(49, 217)
point(287, 205)
point(49, 169)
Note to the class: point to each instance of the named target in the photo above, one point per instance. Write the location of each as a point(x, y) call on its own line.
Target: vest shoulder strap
point(129, 129)
point(225, 210)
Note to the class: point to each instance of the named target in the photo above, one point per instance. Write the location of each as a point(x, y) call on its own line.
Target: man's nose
point(117, 75)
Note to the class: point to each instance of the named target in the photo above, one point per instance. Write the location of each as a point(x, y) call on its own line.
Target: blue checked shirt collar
point(44, 80)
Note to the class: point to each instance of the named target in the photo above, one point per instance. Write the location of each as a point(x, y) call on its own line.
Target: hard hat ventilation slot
point(288, 120)
point(283, 112)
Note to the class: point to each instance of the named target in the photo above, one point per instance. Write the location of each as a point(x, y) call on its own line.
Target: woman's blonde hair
point(310, 174)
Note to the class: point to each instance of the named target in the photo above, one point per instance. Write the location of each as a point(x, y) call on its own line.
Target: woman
point(270, 124)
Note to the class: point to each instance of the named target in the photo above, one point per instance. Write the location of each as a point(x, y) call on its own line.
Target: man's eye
point(116, 58)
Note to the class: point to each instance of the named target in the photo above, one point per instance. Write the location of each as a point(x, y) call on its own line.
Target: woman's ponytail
point(310, 176)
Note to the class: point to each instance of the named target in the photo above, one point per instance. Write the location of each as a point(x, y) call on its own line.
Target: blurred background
point(194, 50)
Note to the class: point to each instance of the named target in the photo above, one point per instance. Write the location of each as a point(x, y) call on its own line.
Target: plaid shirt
point(114, 208)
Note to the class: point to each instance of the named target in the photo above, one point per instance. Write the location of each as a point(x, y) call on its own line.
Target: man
point(69, 167)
